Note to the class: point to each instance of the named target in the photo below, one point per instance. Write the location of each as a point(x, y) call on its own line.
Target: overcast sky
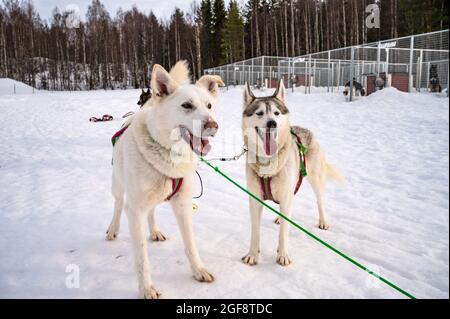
point(161, 8)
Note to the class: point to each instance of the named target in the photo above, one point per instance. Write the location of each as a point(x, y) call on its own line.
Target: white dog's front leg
point(182, 207)
point(283, 254)
point(255, 214)
point(136, 222)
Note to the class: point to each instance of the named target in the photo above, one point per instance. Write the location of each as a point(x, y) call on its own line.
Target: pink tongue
point(270, 144)
point(206, 147)
point(201, 146)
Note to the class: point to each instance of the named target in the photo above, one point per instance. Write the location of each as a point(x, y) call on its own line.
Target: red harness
point(176, 182)
point(266, 182)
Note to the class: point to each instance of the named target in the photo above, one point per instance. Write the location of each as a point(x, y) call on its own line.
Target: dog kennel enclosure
point(413, 63)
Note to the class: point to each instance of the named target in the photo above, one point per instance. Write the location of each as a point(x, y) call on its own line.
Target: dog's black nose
point(271, 124)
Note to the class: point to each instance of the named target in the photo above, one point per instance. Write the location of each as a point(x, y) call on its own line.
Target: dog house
point(300, 80)
point(303, 79)
point(371, 82)
point(398, 80)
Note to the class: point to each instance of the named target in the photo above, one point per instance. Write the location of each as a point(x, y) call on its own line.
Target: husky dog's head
point(145, 96)
point(265, 121)
point(179, 109)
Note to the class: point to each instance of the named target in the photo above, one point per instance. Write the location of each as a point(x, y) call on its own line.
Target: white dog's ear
point(162, 82)
point(210, 83)
point(248, 95)
point(280, 93)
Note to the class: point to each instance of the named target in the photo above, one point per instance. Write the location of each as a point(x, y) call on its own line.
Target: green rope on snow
point(338, 252)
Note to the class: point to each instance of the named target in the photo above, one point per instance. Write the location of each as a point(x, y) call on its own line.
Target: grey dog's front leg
point(283, 253)
point(255, 214)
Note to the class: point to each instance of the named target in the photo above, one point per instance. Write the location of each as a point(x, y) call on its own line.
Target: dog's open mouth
point(269, 139)
point(199, 146)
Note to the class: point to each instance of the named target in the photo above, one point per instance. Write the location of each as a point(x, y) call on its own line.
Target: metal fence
point(404, 63)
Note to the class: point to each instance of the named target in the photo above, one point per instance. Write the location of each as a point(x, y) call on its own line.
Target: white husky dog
point(274, 163)
point(154, 162)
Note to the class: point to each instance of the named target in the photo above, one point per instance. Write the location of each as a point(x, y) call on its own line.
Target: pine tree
point(206, 32)
point(119, 52)
point(219, 21)
point(233, 33)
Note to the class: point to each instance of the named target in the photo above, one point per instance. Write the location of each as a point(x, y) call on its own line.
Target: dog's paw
point(151, 293)
point(112, 233)
point(284, 259)
point(324, 225)
point(278, 221)
point(157, 236)
point(250, 259)
point(203, 275)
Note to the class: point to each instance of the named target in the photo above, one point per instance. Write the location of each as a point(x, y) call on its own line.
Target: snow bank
point(7, 86)
point(391, 215)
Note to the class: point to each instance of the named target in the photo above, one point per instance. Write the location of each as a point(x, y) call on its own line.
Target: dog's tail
point(334, 174)
point(180, 73)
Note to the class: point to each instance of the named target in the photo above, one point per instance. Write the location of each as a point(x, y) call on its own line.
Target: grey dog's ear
point(280, 93)
point(248, 95)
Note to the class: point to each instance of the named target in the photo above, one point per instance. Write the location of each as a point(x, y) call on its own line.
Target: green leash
point(354, 262)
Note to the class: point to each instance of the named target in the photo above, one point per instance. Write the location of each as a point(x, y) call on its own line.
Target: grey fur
point(268, 102)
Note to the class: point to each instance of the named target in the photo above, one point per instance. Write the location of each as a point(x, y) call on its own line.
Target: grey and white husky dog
point(274, 154)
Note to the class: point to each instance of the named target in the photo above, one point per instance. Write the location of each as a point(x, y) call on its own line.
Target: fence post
point(251, 73)
point(293, 74)
point(387, 63)
point(419, 73)
point(309, 82)
point(448, 78)
point(411, 57)
point(378, 58)
point(339, 76)
point(262, 72)
point(228, 75)
point(329, 67)
point(315, 71)
point(352, 70)
point(332, 77)
point(270, 77)
point(307, 78)
point(14, 88)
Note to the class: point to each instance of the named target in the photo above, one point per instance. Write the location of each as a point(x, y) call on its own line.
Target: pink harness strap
point(176, 186)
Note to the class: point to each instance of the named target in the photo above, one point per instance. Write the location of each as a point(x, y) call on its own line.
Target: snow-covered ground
point(392, 214)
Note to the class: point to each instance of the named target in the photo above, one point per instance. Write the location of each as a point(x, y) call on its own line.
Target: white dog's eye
point(277, 113)
point(209, 106)
point(261, 113)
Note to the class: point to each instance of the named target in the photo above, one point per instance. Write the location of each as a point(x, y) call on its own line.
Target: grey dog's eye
point(260, 113)
point(187, 106)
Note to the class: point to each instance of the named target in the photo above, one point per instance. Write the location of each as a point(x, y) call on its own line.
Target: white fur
point(284, 170)
point(144, 166)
